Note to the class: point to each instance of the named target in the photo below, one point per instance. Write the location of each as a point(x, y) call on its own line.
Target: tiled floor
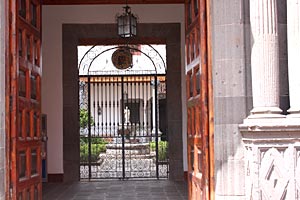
point(116, 190)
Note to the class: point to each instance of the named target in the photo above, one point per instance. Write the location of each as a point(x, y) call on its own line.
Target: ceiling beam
point(86, 2)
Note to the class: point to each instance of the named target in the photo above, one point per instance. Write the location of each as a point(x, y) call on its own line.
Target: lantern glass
point(127, 24)
point(133, 25)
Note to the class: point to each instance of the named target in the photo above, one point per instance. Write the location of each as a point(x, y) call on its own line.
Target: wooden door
point(24, 100)
point(197, 101)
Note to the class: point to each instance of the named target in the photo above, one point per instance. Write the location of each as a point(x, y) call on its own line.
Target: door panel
point(197, 100)
point(25, 99)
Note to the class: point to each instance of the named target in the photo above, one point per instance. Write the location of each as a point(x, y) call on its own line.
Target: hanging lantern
point(127, 23)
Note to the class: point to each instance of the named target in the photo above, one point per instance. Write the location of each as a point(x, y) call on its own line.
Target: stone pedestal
point(272, 154)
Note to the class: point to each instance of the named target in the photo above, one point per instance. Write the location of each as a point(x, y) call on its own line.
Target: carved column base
point(266, 110)
point(272, 155)
point(294, 113)
point(261, 120)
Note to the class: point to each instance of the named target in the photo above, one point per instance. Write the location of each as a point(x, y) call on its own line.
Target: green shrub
point(98, 145)
point(84, 118)
point(162, 149)
point(152, 146)
point(96, 140)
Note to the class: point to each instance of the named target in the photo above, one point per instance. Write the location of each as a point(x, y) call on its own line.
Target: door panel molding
point(210, 101)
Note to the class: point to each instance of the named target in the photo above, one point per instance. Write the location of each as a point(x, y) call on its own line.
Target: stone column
point(264, 59)
point(293, 28)
point(270, 140)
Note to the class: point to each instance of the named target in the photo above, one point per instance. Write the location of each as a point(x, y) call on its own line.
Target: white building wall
point(53, 18)
point(106, 94)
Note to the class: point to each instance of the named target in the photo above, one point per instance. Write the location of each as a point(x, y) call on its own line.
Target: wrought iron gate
point(123, 127)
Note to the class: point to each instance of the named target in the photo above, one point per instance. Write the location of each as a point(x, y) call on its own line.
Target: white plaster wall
point(53, 18)
point(113, 94)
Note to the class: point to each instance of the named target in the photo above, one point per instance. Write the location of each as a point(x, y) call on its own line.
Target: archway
point(76, 34)
point(119, 122)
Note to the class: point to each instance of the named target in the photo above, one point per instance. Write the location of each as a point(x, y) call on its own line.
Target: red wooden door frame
point(23, 100)
point(199, 100)
point(207, 112)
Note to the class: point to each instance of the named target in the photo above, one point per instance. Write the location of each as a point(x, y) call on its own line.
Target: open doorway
point(73, 36)
point(120, 136)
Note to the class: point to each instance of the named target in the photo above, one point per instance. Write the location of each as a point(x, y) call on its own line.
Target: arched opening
point(72, 37)
point(120, 88)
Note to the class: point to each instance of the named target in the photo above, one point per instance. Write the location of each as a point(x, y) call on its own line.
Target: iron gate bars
point(121, 145)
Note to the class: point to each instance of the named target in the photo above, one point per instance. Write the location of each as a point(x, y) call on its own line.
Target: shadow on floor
point(116, 190)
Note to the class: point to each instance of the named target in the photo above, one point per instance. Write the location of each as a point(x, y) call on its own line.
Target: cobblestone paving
point(116, 190)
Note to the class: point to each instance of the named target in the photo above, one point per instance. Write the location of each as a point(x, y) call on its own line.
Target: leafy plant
point(162, 149)
point(84, 118)
point(94, 140)
point(98, 145)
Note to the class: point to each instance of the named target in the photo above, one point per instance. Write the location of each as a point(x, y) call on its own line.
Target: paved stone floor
point(116, 190)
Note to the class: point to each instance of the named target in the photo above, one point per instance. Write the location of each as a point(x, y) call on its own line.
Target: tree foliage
point(84, 118)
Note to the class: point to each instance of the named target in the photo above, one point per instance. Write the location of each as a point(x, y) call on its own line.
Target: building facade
point(255, 115)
